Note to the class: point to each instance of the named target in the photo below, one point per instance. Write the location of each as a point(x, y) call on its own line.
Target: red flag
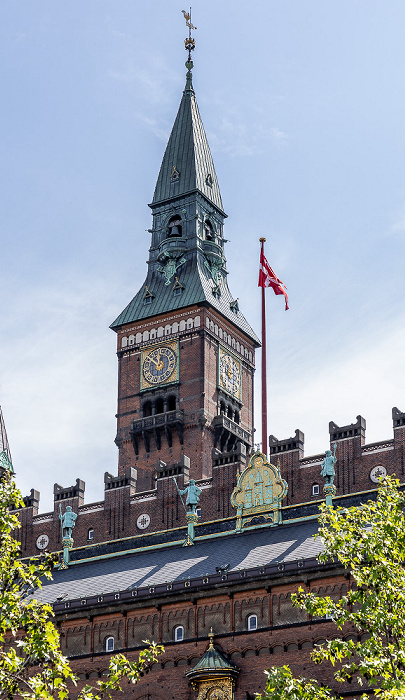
point(267, 278)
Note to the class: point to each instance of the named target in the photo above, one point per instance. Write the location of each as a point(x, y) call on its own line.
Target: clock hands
point(158, 363)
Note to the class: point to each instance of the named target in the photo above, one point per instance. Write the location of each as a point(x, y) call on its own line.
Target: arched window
point(109, 644)
point(209, 234)
point(159, 406)
point(252, 623)
point(178, 633)
point(171, 403)
point(315, 489)
point(175, 226)
point(147, 409)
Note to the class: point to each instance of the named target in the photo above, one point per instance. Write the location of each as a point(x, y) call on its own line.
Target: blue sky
point(303, 102)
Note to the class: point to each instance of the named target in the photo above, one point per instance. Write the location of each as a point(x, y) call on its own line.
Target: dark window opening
point(175, 227)
point(171, 403)
point(147, 409)
point(209, 234)
point(159, 406)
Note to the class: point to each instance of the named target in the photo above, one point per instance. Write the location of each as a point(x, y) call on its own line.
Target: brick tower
point(185, 351)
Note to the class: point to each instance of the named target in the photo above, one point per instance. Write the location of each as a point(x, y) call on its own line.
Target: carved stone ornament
point(259, 492)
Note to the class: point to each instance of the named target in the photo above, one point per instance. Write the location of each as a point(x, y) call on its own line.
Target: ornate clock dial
point(229, 374)
point(159, 365)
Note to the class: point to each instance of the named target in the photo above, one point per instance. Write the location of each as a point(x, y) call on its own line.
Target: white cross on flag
point(267, 278)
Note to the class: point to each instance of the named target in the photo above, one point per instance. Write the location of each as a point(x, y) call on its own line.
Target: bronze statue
point(68, 520)
point(328, 465)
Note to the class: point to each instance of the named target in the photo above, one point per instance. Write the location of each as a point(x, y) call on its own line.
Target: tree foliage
point(31, 662)
point(369, 541)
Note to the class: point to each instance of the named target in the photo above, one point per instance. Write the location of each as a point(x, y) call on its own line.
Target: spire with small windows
point(187, 263)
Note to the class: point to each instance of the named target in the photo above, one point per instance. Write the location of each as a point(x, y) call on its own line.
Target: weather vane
point(189, 43)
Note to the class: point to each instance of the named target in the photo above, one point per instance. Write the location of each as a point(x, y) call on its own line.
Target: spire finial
point(211, 638)
point(189, 44)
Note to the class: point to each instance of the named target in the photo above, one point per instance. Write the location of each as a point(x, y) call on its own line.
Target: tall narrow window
point(109, 644)
point(178, 633)
point(252, 623)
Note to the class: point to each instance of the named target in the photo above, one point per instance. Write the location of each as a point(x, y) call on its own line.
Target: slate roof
point(286, 543)
point(188, 151)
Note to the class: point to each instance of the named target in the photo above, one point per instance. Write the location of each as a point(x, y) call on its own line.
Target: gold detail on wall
point(216, 689)
point(259, 492)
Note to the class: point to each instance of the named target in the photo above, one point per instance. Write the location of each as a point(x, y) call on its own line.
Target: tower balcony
point(154, 427)
point(213, 251)
point(227, 433)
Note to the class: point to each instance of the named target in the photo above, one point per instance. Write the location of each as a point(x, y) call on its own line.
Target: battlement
point(358, 464)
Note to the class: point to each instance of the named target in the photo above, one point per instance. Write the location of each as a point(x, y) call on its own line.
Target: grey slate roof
point(247, 550)
point(187, 150)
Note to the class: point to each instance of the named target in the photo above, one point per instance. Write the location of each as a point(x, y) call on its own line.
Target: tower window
point(252, 623)
point(147, 409)
point(178, 633)
point(171, 403)
point(159, 406)
point(90, 535)
point(209, 233)
point(109, 644)
point(315, 489)
point(175, 229)
point(177, 291)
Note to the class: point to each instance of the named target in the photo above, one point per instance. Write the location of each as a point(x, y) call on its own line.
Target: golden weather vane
point(189, 43)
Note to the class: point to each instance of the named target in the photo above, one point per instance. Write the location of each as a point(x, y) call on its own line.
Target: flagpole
point(264, 364)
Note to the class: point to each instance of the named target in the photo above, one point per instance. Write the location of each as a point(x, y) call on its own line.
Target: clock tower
point(185, 351)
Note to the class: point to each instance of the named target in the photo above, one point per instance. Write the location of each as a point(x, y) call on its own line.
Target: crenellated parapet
point(358, 464)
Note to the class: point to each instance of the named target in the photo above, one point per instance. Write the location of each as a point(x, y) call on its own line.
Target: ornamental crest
point(259, 492)
point(169, 265)
point(214, 265)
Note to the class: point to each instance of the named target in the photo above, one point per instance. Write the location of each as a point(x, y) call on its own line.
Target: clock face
point(159, 364)
point(229, 374)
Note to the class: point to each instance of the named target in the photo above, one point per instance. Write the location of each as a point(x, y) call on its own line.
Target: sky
point(303, 102)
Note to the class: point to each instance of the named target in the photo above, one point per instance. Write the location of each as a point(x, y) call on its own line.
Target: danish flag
point(267, 278)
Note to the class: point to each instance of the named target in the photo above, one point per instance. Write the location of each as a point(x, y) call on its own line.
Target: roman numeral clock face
point(229, 373)
point(159, 365)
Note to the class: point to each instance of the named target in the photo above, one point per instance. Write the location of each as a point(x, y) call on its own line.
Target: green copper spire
point(187, 264)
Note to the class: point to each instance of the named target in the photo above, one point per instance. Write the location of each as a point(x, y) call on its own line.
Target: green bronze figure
point(328, 465)
point(328, 472)
point(193, 498)
point(193, 495)
point(68, 520)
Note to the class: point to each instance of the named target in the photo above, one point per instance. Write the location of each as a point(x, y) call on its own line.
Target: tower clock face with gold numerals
point(229, 373)
point(159, 365)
